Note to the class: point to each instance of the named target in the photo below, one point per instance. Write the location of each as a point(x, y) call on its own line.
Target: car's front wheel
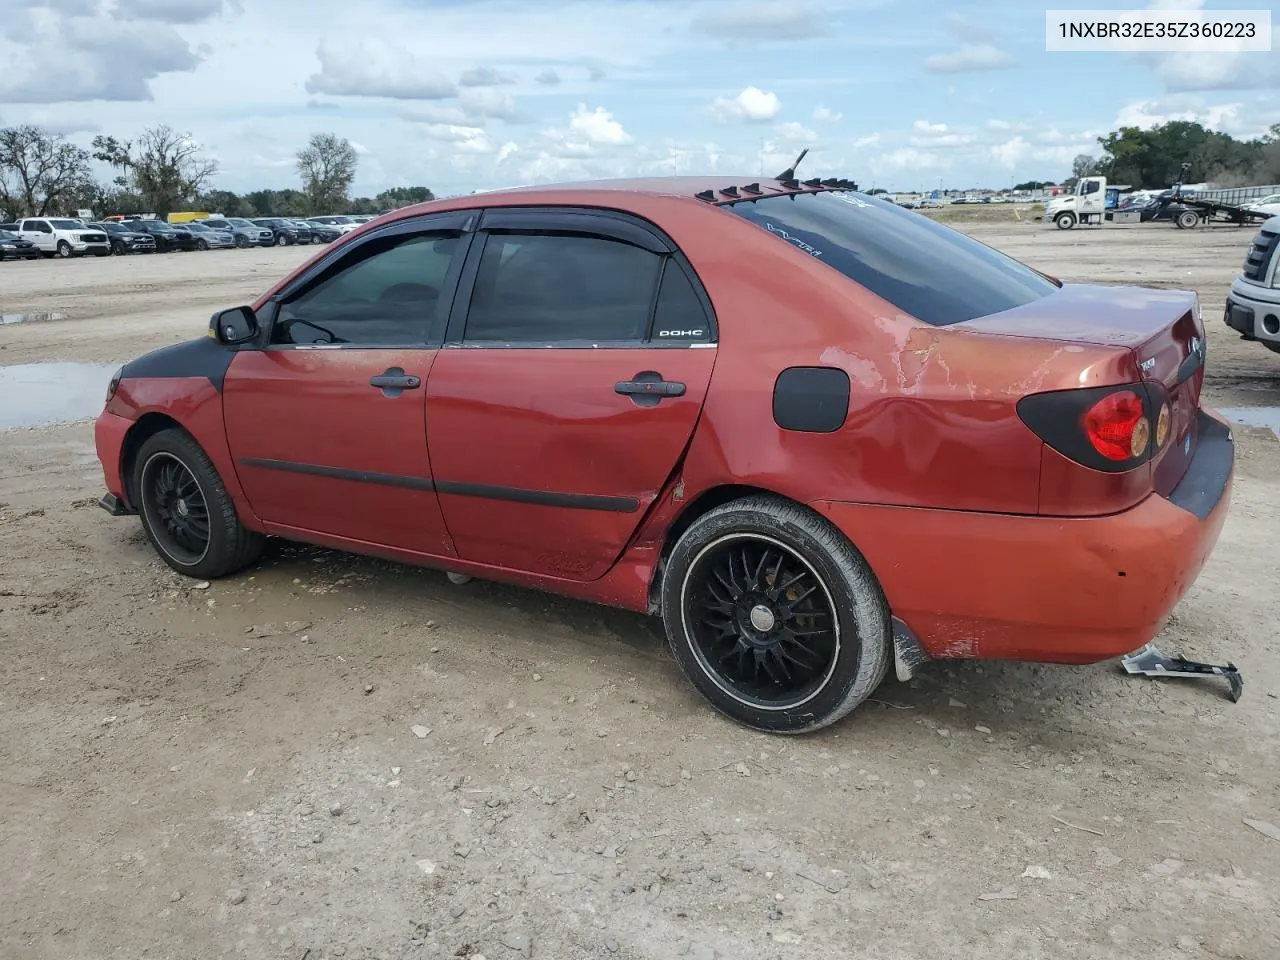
point(64, 249)
point(1065, 221)
point(186, 511)
point(774, 616)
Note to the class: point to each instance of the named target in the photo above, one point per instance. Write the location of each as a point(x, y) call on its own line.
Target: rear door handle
point(394, 381)
point(648, 388)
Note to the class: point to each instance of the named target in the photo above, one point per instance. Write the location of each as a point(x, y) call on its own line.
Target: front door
point(326, 423)
point(567, 390)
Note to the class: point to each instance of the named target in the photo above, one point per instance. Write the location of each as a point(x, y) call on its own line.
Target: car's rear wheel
point(186, 511)
point(774, 616)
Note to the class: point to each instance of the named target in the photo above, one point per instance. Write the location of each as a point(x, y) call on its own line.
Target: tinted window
point(387, 292)
point(936, 274)
point(543, 288)
point(680, 316)
point(67, 224)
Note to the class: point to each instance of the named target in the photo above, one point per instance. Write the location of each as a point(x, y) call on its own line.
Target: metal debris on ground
point(1150, 662)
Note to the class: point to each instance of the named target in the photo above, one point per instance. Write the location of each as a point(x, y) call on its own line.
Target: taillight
point(1111, 429)
point(1117, 426)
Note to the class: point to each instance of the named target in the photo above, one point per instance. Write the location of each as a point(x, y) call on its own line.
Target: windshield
point(934, 273)
point(7, 236)
point(67, 224)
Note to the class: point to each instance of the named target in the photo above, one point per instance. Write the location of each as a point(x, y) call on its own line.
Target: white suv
point(64, 238)
point(1253, 305)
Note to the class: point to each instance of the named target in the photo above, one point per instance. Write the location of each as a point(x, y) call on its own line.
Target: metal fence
point(1238, 195)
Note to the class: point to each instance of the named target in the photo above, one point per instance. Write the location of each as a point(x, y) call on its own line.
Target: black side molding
point(545, 498)
point(1205, 481)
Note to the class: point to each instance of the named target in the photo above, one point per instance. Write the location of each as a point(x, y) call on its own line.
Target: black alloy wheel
point(763, 623)
point(176, 508)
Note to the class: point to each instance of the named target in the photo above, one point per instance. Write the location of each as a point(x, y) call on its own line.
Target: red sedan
point(816, 433)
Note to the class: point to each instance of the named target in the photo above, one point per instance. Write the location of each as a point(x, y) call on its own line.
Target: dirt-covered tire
point(186, 511)
point(1065, 221)
point(744, 584)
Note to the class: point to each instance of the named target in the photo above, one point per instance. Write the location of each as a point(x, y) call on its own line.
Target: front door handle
point(394, 381)
point(648, 387)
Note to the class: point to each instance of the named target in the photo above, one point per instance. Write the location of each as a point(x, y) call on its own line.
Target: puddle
point(38, 394)
point(40, 317)
point(1254, 416)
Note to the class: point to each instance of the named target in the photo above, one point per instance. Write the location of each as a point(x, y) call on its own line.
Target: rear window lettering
point(936, 274)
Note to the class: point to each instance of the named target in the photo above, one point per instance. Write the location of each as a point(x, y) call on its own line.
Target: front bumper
point(109, 431)
point(1253, 311)
point(1046, 589)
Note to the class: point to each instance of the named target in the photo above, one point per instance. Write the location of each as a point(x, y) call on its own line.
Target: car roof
point(603, 192)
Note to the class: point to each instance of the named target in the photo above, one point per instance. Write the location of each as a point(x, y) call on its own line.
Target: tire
point(241, 241)
point(727, 566)
point(64, 249)
point(281, 240)
point(1065, 221)
point(203, 244)
point(1188, 220)
point(173, 483)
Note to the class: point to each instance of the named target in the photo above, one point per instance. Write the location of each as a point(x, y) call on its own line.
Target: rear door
point(326, 421)
point(567, 390)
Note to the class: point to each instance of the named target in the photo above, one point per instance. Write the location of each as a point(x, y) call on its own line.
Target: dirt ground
point(329, 756)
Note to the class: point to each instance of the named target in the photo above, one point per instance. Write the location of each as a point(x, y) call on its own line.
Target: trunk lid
point(1161, 329)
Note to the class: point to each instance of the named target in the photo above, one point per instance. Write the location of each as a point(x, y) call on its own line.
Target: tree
point(1152, 158)
point(327, 166)
point(1083, 166)
point(40, 172)
point(163, 166)
point(398, 197)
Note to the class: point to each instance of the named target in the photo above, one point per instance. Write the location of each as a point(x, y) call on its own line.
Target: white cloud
point(970, 58)
point(598, 127)
point(164, 11)
point(465, 139)
point(826, 115)
point(1149, 113)
point(871, 140)
point(548, 78)
point(752, 105)
point(479, 103)
point(373, 68)
point(929, 129)
point(907, 159)
point(793, 132)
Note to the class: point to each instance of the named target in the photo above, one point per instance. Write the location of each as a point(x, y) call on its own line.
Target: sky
point(459, 95)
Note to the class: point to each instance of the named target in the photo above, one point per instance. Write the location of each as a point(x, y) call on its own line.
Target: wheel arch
point(699, 506)
point(143, 429)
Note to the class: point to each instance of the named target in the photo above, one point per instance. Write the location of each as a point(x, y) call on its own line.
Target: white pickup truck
point(1253, 305)
point(64, 238)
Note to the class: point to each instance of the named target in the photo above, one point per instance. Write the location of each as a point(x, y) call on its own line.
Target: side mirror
point(237, 325)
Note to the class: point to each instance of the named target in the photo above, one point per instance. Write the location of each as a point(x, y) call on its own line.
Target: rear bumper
point(1055, 590)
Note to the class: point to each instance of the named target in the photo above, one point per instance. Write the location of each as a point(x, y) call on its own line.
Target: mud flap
point(908, 655)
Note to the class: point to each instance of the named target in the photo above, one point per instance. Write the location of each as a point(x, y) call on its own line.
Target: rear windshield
point(934, 273)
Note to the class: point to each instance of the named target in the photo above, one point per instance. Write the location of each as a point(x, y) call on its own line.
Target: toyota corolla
point(819, 435)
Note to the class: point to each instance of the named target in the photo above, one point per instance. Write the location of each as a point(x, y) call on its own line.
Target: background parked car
point(341, 224)
point(206, 237)
point(61, 237)
point(1269, 205)
point(124, 240)
point(323, 232)
point(284, 232)
point(244, 233)
point(166, 237)
point(13, 247)
point(306, 233)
